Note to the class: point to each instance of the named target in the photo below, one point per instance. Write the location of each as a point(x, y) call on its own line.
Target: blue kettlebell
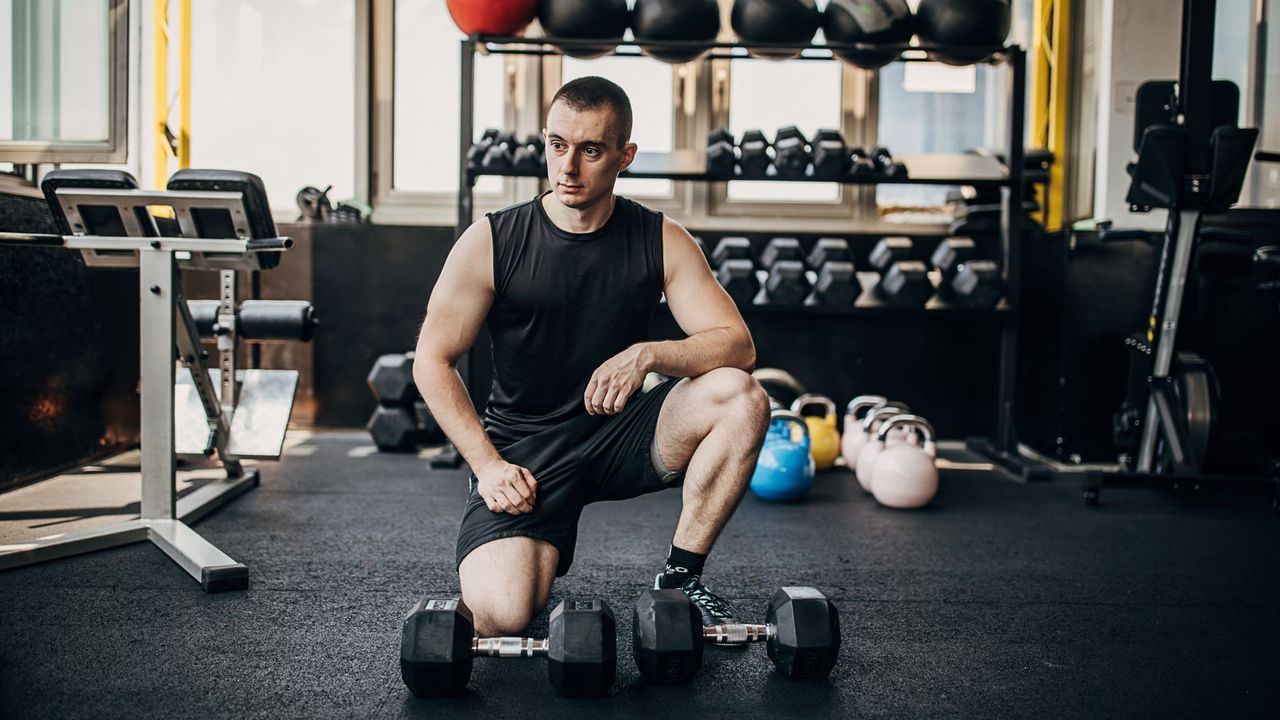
point(784, 471)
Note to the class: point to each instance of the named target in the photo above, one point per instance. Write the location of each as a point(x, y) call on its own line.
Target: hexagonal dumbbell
point(801, 631)
point(950, 253)
point(977, 284)
point(394, 428)
point(753, 154)
point(738, 278)
point(837, 278)
point(391, 379)
point(906, 283)
point(438, 644)
point(781, 248)
point(830, 155)
point(721, 159)
point(791, 152)
point(889, 251)
point(786, 284)
point(731, 248)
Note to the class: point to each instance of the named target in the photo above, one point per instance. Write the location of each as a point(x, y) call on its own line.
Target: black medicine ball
point(584, 20)
point(780, 21)
point(975, 23)
point(868, 21)
point(675, 20)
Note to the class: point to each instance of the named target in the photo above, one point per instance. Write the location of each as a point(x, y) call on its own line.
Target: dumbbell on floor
point(438, 644)
point(801, 632)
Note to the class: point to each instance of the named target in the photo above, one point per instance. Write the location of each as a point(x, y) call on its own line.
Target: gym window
point(65, 78)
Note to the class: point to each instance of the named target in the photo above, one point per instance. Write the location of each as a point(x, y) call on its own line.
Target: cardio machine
point(1192, 160)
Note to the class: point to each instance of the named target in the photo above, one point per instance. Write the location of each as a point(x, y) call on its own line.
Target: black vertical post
point(1195, 84)
point(466, 122)
point(1011, 221)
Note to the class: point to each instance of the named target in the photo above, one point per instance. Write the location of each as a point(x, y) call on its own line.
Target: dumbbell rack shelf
point(929, 169)
point(978, 171)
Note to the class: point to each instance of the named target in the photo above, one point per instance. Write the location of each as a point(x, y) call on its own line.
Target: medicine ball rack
point(977, 171)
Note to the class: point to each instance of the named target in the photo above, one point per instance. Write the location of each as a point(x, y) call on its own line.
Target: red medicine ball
point(492, 17)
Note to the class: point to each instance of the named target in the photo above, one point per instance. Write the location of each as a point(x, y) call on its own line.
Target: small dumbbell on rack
point(438, 645)
point(801, 632)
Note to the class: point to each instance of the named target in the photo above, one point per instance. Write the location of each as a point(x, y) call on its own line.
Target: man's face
point(583, 154)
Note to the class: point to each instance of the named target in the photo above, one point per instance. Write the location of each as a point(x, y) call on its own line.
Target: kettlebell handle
point(862, 402)
point(814, 399)
point(915, 421)
point(893, 408)
point(792, 418)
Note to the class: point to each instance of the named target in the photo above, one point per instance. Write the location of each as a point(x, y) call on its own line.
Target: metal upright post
point(156, 271)
point(1011, 220)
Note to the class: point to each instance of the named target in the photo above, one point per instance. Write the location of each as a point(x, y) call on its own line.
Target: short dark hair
point(591, 92)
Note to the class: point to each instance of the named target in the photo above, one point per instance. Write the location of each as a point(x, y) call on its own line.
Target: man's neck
point(579, 220)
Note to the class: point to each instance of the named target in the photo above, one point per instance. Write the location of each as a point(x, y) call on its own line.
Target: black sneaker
point(715, 609)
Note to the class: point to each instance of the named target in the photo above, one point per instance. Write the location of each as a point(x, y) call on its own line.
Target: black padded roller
point(260, 320)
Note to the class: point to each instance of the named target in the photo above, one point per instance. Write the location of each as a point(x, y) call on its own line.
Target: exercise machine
point(190, 406)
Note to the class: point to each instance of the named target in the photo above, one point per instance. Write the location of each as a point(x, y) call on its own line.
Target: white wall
point(1140, 41)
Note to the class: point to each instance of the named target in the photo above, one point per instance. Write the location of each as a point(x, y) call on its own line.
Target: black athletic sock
point(681, 565)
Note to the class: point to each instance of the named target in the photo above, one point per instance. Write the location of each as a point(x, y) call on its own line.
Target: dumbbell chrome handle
point(509, 647)
point(740, 634)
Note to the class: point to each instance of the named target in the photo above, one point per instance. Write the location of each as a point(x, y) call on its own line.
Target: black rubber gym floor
point(1003, 600)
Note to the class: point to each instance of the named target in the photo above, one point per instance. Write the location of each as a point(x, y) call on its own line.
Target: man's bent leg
point(506, 582)
point(712, 426)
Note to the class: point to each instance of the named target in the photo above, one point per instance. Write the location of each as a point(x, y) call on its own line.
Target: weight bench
point(223, 223)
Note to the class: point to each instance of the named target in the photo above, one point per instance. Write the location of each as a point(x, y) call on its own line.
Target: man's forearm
point(447, 399)
point(701, 353)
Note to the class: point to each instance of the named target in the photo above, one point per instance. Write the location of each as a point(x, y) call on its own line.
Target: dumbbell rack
point(690, 165)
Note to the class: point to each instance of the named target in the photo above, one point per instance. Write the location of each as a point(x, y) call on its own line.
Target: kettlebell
point(872, 424)
point(854, 436)
point(823, 435)
point(784, 471)
point(905, 475)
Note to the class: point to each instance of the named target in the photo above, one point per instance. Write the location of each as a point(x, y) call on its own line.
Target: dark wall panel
point(68, 353)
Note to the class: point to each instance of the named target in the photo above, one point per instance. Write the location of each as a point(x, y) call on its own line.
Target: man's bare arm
point(459, 303)
point(717, 336)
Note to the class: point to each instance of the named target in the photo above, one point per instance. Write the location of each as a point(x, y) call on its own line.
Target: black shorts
point(585, 459)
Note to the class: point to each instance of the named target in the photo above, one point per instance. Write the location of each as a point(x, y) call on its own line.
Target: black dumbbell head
point(731, 248)
point(830, 156)
point(888, 251)
point(582, 652)
point(435, 648)
point(789, 131)
point(837, 285)
point(394, 428)
point(906, 283)
point(787, 284)
point(806, 640)
point(738, 278)
point(719, 135)
point(721, 159)
point(753, 151)
point(977, 284)
point(781, 249)
point(666, 636)
point(829, 250)
point(391, 379)
point(950, 253)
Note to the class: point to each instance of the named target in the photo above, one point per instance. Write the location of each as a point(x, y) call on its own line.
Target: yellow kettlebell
point(824, 439)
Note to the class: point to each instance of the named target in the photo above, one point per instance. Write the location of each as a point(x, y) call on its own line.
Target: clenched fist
point(507, 488)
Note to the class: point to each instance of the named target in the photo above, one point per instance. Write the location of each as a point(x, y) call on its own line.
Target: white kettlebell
point(854, 436)
point(905, 476)
point(872, 424)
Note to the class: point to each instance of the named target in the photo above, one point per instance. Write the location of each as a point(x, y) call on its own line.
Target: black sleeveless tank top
point(564, 303)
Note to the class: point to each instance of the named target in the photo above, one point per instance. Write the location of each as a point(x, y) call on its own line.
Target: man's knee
point(731, 386)
point(496, 616)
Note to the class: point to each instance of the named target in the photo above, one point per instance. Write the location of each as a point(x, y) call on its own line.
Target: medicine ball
point(780, 21)
point(492, 17)
point(978, 23)
point(585, 19)
point(868, 21)
point(675, 20)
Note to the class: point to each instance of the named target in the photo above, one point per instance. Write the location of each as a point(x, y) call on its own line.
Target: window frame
point(114, 149)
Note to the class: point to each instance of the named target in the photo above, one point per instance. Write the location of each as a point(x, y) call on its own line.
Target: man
point(567, 284)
